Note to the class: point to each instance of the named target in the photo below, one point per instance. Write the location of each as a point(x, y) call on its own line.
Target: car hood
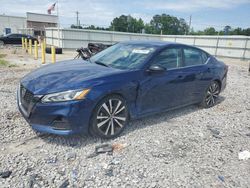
point(65, 75)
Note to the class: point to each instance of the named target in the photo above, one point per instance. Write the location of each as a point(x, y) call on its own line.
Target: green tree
point(227, 29)
point(210, 31)
point(127, 24)
point(168, 25)
point(76, 27)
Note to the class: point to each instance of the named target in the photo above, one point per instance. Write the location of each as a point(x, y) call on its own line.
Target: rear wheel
point(110, 117)
point(211, 95)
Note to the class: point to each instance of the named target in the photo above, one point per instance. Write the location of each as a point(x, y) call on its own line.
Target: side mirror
point(156, 69)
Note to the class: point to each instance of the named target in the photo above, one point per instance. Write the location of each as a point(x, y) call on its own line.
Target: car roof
point(158, 43)
point(15, 34)
point(149, 42)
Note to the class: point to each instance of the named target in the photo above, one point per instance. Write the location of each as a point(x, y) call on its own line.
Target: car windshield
point(123, 56)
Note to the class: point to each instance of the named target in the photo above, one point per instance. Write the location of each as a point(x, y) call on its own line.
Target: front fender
point(127, 90)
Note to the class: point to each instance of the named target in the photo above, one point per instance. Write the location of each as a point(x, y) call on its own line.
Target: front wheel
point(109, 117)
point(211, 95)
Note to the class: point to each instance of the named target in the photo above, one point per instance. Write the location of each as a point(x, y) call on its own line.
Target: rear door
point(197, 69)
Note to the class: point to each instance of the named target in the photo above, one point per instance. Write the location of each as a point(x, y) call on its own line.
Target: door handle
point(180, 76)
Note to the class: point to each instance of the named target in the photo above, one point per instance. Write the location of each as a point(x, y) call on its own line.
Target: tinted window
point(13, 36)
point(194, 57)
point(20, 35)
point(169, 58)
point(204, 57)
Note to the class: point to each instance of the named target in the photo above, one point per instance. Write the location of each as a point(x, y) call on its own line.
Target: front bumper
point(62, 118)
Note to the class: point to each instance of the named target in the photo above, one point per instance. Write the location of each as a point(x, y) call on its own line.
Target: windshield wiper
point(100, 63)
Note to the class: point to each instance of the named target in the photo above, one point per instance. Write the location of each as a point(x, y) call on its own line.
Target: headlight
point(66, 96)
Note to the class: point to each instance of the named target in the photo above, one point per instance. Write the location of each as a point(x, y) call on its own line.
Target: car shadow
point(78, 141)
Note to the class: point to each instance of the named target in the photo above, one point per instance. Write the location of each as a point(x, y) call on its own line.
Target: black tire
point(109, 119)
point(211, 95)
point(58, 50)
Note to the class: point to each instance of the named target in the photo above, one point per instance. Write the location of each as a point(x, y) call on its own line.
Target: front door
point(165, 90)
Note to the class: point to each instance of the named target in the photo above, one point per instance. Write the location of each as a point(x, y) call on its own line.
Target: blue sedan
point(126, 81)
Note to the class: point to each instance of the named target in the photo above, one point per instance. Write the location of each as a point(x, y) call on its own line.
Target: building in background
point(11, 24)
point(33, 23)
point(38, 22)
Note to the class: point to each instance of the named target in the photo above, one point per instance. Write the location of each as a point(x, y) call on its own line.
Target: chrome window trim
point(191, 65)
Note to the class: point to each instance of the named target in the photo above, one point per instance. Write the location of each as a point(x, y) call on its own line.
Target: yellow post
point(30, 46)
point(36, 50)
point(23, 43)
point(26, 44)
point(43, 53)
point(45, 44)
point(53, 54)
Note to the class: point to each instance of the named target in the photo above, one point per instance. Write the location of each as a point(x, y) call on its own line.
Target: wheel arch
point(118, 94)
point(219, 82)
point(107, 95)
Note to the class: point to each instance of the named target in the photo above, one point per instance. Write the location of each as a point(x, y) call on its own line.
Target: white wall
point(13, 22)
point(36, 17)
point(227, 46)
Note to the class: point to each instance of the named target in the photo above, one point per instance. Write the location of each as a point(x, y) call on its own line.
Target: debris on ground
point(103, 148)
point(70, 156)
point(115, 161)
point(107, 148)
point(118, 146)
point(32, 180)
point(215, 132)
point(109, 172)
point(5, 174)
point(64, 184)
point(222, 178)
point(244, 155)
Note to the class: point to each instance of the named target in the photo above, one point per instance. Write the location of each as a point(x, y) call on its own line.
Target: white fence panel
point(226, 46)
point(206, 42)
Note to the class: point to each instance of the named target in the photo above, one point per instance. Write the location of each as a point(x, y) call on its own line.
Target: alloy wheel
point(212, 94)
point(111, 117)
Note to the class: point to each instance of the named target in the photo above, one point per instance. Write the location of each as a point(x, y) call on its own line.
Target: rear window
point(194, 56)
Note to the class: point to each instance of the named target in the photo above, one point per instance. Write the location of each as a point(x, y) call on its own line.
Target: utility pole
point(77, 22)
point(189, 25)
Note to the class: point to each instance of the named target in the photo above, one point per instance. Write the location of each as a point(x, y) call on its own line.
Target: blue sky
point(205, 13)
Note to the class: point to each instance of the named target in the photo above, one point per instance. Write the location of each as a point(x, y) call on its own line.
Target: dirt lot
point(189, 147)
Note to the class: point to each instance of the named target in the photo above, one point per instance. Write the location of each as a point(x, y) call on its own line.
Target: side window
point(204, 57)
point(13, 36)
point(169, 58)
point(193, 57)
point(20, 36)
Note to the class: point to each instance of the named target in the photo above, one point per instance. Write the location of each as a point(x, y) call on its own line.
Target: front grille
point(27, 98)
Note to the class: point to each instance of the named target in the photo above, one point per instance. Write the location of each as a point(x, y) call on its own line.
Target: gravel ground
point(189, 147)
